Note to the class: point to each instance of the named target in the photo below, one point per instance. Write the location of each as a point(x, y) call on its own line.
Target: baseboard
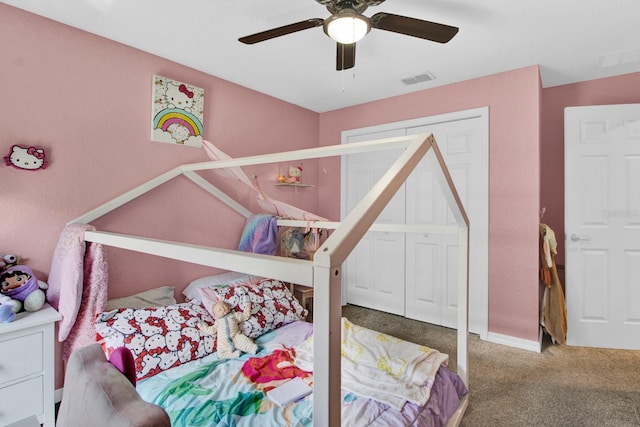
point(57, 395)
point(510, 341)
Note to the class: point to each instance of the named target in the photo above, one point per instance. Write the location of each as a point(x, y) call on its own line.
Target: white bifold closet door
point(375, 269)
point(415, 275)
point(431, 289)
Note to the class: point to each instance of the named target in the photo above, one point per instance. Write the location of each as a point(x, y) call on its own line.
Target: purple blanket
point(260, 235)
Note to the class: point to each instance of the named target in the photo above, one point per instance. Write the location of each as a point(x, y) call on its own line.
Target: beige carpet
point(561, 386)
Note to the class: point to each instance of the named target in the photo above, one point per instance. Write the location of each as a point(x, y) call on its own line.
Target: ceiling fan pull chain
point(342, 71)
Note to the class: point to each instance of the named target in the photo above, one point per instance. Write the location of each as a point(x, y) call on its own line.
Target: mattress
point(232, 392)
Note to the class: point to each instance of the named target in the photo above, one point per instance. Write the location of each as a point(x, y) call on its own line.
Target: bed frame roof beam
point(307, 153)
point(281, 268)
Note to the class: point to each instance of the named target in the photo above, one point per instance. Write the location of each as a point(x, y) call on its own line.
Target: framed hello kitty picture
point(177, 112)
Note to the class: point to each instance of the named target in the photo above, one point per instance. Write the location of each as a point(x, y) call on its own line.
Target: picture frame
point(177, 112)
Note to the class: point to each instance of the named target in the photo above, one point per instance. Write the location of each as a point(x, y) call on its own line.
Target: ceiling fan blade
point(433, 31)
point(281, 31)
point(345, 56)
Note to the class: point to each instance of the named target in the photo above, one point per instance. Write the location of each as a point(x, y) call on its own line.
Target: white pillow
point(161, 296)
point(231, 278)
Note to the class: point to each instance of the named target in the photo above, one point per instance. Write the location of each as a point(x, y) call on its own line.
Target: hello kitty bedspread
point(215, 392)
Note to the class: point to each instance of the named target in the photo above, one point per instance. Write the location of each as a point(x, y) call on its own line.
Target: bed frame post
point(463, 304)
point(327, 331)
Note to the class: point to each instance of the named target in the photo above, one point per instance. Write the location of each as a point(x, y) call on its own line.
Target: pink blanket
point(77, 286)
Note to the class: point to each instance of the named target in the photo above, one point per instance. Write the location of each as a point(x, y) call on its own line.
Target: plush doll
point(8, 260)
point(19, 283)
point(295, 175)
point(231, 341)
point(8, 309)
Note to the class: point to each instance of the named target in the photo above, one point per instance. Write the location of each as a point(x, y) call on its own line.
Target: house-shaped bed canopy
point(324, 272)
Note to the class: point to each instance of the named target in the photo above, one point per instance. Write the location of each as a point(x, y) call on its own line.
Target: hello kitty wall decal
point(26, 158)
point(177, 112)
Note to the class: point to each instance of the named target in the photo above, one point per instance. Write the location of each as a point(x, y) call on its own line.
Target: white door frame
point(483, 252)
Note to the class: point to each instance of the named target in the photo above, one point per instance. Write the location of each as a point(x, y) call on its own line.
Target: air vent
point(629, 57)
point(420, 78)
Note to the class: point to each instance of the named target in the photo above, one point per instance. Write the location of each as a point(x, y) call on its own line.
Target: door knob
point(576, 238)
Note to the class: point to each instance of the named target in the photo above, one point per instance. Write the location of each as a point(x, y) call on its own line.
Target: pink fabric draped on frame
point(270, 205)
point(77, 286)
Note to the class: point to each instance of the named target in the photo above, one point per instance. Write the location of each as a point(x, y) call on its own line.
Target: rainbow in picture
point(169, 116)
point(177, 112)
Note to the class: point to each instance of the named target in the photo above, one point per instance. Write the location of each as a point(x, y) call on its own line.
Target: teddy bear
point(20, 284)
point(231, 341)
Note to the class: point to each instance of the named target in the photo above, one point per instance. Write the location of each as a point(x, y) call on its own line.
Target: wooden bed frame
point(324, 272)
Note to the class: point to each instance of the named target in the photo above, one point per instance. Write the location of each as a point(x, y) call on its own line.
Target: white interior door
point(602, 225)
point(430, 285)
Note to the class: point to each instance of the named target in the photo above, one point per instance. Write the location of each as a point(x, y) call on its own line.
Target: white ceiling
point(571, 40)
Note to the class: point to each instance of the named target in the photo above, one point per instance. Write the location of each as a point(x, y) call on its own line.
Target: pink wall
point(514, 101)
point(613, 90)
point(87, 101)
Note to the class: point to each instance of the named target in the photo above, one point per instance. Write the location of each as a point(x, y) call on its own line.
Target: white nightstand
point(27, 358)
point(304, 294)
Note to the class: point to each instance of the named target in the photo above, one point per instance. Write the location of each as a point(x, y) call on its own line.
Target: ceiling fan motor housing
point(335, 6)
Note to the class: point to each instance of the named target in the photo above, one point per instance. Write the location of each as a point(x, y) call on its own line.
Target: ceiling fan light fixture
point(347, 26)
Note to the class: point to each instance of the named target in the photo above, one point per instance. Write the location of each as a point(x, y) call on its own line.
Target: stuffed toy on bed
point(231, 341)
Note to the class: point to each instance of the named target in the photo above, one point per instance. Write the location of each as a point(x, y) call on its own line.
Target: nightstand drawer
point(21, 400)
point(21, 356)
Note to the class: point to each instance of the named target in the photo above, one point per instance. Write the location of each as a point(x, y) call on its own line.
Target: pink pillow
point(122, 359)
point(272, 304)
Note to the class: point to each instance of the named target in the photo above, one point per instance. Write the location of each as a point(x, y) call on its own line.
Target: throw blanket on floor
point(77, 286)
point(260, 235)
point(381, 367)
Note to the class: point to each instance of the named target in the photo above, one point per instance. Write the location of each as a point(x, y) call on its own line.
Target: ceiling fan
point(347, 25)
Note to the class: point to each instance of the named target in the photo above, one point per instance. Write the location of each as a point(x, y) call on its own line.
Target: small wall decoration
point(295, 175)
point(26, 158)
point(177, 112)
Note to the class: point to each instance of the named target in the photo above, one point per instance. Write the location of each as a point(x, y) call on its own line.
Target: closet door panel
point(424, 275)
point(450, 278)
point(424, 204)
point(459, 144)
point(424, 209)
point(370, 281)
point(360, 274)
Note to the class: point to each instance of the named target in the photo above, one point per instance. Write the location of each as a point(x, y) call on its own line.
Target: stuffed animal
point(231, 341)
point(19, 283)
point(295, 175)
point(8, 260)
point(8, 309)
